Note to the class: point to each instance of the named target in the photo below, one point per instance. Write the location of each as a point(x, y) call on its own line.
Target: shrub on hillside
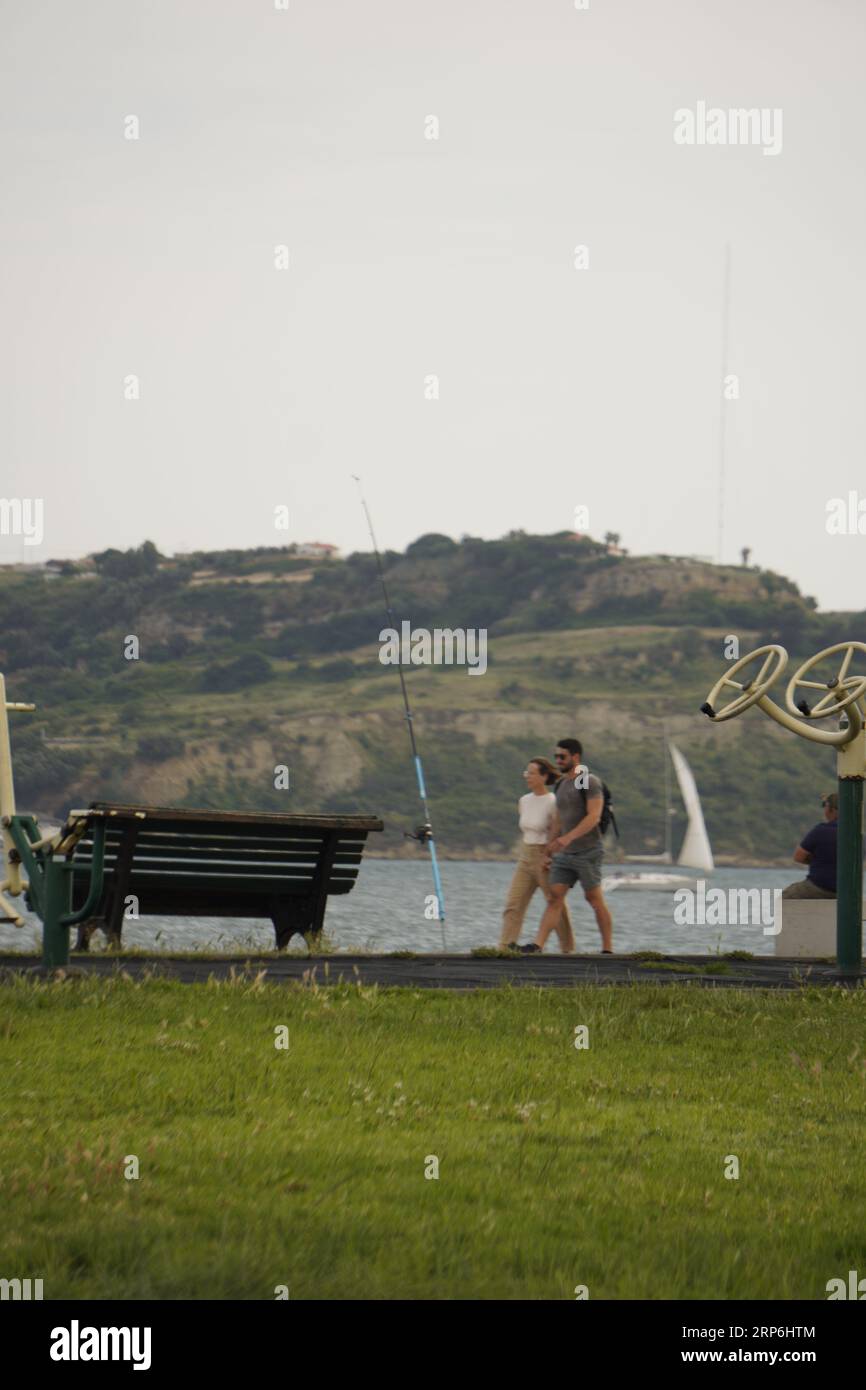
point(244, 671)
point(339, 670)
point(41, 771)
point(173, 648)
point(158, 748)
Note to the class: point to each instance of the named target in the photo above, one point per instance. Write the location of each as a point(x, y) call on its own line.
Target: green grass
point(675, 967)
point(557, 1167)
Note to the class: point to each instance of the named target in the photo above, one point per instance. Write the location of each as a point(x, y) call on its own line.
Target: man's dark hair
point(572, 745)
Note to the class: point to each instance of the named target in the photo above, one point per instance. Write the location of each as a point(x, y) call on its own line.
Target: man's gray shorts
point(584, 868)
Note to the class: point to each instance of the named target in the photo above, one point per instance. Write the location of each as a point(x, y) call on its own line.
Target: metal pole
point(849, 877)
point(723, 414)
point(7, 788)
point(57, 905)
point(669, 847)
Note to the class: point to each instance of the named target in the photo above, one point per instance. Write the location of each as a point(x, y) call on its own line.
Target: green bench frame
point(183, 862)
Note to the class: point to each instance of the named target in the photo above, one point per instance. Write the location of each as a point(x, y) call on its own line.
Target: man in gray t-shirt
point(574, 791)
point(575, 848)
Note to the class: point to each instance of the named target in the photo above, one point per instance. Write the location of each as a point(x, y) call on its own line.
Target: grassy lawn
point(306, 1167)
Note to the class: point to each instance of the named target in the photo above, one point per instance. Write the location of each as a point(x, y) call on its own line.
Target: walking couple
point(562, 845)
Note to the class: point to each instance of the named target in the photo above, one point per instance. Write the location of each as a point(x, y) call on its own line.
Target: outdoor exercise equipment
point(173, 862)
point(843, 697)
point(46, 861)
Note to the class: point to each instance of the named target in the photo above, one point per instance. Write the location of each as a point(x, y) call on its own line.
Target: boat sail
point(696, 852)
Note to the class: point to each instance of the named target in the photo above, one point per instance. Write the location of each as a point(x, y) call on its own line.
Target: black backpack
point(608, 818)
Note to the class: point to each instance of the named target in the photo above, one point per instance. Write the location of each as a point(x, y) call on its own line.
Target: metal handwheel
point(840, 691)
point(750, 690)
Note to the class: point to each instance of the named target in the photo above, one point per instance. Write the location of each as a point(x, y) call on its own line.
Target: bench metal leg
point(57, 901)
point(320, 887)
point(305, 914)
point(54, 894)
point(291, 915)
point(85, 932)
point(122, 870)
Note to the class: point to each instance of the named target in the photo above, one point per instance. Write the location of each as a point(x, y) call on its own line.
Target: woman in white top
point(536, 808)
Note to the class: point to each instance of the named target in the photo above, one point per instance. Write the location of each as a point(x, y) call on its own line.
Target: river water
point(386, 912)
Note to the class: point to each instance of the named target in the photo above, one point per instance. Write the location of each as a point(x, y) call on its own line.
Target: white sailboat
point(696, 852)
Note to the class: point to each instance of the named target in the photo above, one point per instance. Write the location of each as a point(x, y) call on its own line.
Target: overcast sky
point(454, 257)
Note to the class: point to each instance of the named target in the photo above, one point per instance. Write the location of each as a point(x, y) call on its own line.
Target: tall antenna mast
point(726, 314)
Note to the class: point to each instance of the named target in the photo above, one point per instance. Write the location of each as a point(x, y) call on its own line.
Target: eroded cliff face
point(672, 578)
point(759, 786)
point(361, 762)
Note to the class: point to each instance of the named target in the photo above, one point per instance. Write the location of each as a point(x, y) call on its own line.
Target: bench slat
point(237, 855)
point(247, 877)
point(262, 820)
point(299, 842)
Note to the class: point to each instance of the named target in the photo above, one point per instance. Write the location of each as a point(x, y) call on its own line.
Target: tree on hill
point(432, 544)
point(128, 564)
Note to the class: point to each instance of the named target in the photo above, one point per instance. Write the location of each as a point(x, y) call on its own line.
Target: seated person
point(818, 850)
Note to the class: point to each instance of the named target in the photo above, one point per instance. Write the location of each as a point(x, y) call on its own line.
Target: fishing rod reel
point(422, 833)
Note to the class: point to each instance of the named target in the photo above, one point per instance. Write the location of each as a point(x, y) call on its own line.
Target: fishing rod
point(424, 833)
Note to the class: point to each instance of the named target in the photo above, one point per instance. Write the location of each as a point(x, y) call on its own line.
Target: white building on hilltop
point(317, 550)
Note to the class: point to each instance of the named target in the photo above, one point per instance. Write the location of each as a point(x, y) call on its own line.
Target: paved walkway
point(468, 972)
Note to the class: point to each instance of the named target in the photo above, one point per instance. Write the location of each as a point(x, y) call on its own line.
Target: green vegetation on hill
point(250, 660)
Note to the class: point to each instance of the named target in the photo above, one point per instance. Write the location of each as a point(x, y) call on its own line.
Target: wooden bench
point(189, 863)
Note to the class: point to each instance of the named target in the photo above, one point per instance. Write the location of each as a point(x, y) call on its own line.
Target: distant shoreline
point(49, 826)
point(479, 857)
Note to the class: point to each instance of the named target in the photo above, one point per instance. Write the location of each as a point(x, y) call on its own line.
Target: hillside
point(248, 660)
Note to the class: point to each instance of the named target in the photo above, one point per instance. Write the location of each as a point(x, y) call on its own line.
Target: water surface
point(385, 912)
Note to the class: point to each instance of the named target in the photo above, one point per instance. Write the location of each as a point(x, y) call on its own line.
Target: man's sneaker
point(530, 949)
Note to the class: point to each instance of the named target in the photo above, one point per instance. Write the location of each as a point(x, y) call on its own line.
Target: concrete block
point(808, 927)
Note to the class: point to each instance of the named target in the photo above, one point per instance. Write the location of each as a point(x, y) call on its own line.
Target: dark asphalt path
point(466, 972)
